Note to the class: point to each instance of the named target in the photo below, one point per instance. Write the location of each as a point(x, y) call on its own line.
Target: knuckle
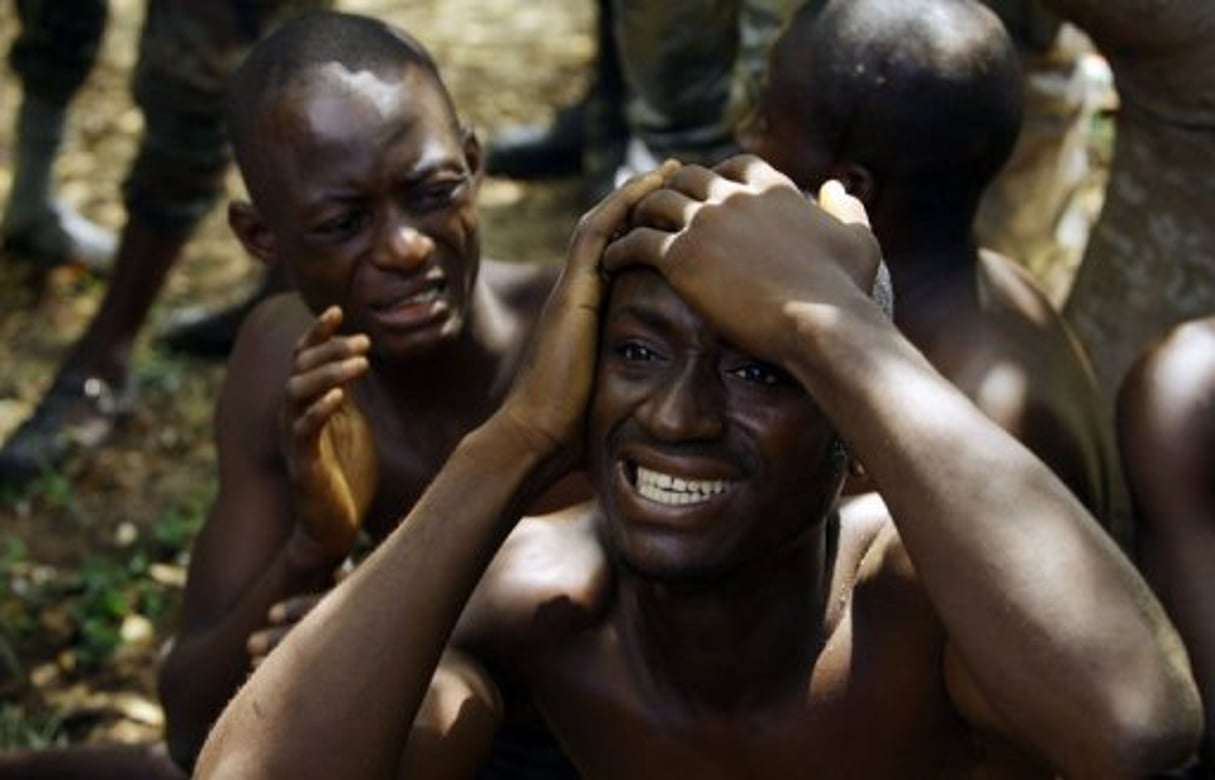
point(295, 388)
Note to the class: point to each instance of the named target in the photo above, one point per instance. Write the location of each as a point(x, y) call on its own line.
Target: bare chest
point(410, 453)
point(861, 711)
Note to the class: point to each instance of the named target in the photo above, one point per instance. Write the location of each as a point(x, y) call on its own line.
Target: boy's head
point(363, 181)
point(918, 100)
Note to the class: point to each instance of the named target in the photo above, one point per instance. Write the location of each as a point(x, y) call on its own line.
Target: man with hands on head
point(400, 339)
point(710, 614)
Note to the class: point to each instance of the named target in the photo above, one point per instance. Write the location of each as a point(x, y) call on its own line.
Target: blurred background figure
point(671, 80)
point(52, 54)
point(1150, 262)
point(187, 50)
point(1041, 207)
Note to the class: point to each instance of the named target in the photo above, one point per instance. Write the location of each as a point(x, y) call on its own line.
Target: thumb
point(836, 201)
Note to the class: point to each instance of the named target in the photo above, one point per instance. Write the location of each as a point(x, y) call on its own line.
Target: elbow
point(1151, 735)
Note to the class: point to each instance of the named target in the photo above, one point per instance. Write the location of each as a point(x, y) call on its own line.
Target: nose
point(688, 405)
point(399, 244)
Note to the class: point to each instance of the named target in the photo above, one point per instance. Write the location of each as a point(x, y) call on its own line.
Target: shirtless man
point(363, 185)
point(1166, 430)
point(709, 615)
point(914, 105)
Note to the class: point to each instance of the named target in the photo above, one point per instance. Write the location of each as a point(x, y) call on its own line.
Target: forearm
point(1046, 614)
point(338, 697)
point(208, 663)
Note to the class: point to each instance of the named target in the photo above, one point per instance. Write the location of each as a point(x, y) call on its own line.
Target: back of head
point(304, 44)
point(926, 95)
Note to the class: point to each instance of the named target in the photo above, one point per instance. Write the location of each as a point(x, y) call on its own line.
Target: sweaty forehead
point(334, 101)
point(641, 294)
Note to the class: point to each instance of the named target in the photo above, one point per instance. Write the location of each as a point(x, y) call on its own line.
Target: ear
point(247, 223)
point(473, 154)
point(858, 181)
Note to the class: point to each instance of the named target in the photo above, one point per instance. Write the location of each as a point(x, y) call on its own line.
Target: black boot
point(586, 138)
point(206, 332)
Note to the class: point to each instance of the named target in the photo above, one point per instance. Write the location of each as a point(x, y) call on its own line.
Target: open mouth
point(420, 298)
point(674, 490)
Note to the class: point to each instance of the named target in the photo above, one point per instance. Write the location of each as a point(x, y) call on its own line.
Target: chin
point(397, 345)
point(655, 557)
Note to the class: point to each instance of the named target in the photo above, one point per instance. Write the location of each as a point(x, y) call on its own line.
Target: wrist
point(842, 348)
point(518, 452)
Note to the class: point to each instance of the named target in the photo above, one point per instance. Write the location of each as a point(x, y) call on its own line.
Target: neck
point(738, 642)
point(932, 267)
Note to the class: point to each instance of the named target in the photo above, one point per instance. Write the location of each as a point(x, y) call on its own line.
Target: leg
point(187, 50)
point(587, 137)
point(678, 62)
point(52, 55)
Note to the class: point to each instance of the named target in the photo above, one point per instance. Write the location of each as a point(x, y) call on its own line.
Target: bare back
point(997, 337)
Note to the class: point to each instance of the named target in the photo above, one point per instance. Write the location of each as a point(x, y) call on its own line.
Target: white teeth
point(426, 296)
point(677, 491)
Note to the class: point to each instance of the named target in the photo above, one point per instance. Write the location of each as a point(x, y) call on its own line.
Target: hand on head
point(741, 243)
point(548, 400)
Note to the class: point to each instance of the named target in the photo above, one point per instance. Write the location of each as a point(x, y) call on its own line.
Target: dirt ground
point(92, 557)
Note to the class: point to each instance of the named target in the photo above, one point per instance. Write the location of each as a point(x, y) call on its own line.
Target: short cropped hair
point(311, 40)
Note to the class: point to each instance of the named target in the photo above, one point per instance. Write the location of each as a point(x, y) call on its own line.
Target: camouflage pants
point(691, 69)
point(187, 51)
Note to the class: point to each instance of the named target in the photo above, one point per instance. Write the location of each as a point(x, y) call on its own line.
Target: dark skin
point(341, 401)
point(978, 317)
point(1166, 431)
point(725, 624)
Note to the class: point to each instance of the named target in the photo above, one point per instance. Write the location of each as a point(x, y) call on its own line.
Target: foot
point(75, 415)
point(541, 151)
point(205, 332)
point(62, 237)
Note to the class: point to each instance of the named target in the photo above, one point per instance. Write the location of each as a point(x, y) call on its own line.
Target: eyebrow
point(643, 314)
point(418, 175)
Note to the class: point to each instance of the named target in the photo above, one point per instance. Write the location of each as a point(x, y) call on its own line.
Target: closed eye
point(341, 226)
point(437, 194)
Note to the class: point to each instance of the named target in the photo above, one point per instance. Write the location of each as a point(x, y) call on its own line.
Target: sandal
point(74, 416)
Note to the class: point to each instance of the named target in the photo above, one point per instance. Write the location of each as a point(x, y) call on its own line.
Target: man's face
point(777, 130)
point(706, 460)
point(371, 200)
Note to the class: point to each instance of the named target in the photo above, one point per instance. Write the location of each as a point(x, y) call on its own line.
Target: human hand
point(548, 399)
point(326, 441)
point(745, 248)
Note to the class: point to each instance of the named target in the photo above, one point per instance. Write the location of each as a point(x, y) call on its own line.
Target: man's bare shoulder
point(870, 548)
point(522, 286)
point(1019, 318)
point(274, 323)
point(1183, 363)
point(1166, 419)
point(258, 369)
point(1024, 358)
point(550, 578)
